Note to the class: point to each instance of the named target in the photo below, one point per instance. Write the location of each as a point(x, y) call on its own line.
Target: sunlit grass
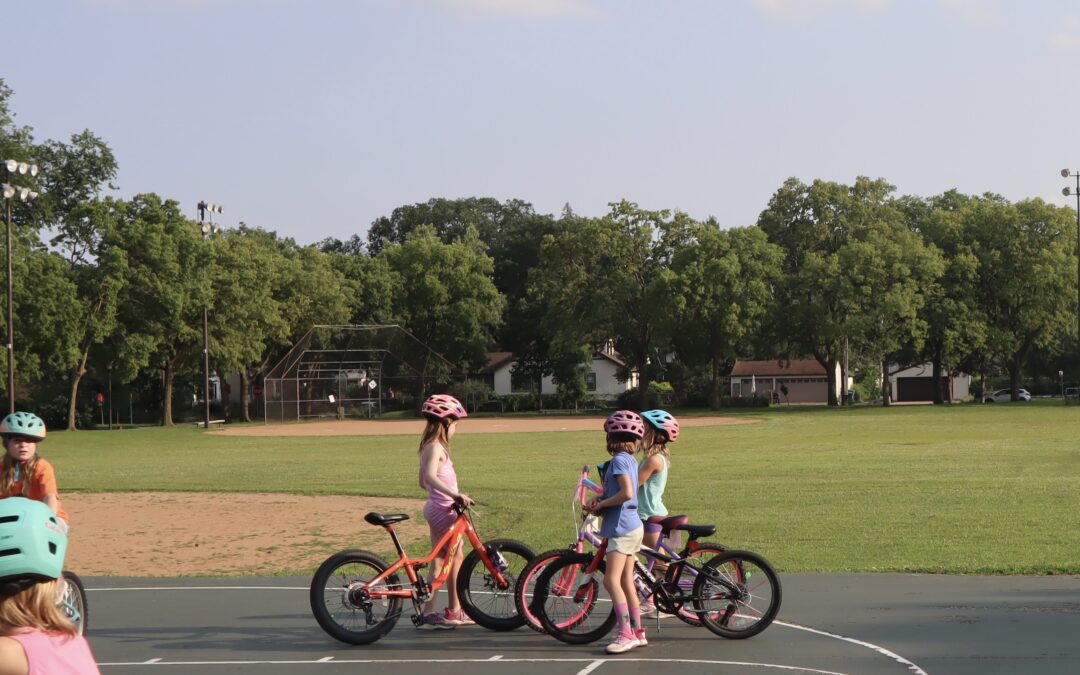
point(959, 489)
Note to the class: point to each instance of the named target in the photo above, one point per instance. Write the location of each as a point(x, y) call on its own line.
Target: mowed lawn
point(958, 489)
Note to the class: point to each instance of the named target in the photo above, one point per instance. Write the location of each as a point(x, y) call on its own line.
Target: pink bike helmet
point(625, 422)
point(664, 421)
point(442, 406)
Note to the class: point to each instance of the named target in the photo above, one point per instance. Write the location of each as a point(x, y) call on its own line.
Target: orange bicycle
point(357, 596)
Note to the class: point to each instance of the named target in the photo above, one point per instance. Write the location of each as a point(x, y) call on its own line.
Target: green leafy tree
point(723, 292)
point(444, 296)
point(811, 224)
point(955, 322)
point(160, 308)
point(1027, 266)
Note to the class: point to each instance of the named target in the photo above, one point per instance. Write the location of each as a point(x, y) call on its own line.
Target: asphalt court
point(836, 623)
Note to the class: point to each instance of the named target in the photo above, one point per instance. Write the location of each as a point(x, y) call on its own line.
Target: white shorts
point(628, 544)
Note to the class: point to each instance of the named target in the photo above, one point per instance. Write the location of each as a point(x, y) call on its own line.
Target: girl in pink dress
point(438, 477)
point(36, 637)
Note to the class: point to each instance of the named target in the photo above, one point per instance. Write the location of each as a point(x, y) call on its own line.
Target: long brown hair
point(7, 472)
point(34, 607)
point(655, 443)
point(437, 430)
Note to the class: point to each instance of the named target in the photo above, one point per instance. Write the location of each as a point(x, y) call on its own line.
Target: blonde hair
point(437, 431)
point(655, 443)
point(617, 443)
point(35, 607)
point(7, 472)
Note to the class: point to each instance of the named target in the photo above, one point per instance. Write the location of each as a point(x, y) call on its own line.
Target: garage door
point(918, 388)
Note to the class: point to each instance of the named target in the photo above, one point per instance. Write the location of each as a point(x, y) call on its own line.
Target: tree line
point(970, 283)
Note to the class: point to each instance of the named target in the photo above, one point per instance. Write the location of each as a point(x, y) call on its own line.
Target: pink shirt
point(56, 654)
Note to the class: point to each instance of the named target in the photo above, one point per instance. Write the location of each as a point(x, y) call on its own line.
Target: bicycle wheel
point(680, 579)
point(573, 606)
point(342, 605)
point(523, 590)
point(737, 594)
point(486, 603)
point(73, 602)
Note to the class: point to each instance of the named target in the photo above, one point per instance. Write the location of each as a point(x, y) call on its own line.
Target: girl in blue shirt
point(621, 525)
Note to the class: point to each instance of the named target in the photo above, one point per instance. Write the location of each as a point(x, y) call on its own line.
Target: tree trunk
point(843, 383)
point(830, 377)
point(166, 408)
point(936, 374)
point(1014, 377)
point(245, 387)
point(715, 395)
point(643, 383)
point(886, 384)
point(76, 378)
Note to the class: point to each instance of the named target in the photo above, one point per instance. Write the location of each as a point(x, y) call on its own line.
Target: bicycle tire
point(338, 603)
point(73, 602)
point(737, 618)
point(566, 605)
point(683, 576)
point(487, 604)
point(523, 590)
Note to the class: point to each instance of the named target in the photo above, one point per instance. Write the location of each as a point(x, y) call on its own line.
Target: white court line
point(591, 667)
point(869, 645)
point(797, 669)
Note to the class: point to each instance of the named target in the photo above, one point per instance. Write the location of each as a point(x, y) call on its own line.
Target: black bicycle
point(735, 594)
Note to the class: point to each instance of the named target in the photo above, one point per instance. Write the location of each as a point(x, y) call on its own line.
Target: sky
point(312, 118)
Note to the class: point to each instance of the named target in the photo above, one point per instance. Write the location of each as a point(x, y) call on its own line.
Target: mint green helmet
point(32, 544)
point(23, 424)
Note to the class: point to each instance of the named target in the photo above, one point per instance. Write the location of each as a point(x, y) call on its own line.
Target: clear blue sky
point(312, 118)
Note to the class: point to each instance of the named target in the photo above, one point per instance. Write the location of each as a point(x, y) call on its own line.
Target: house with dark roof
point(806, 380)
point(600, 380)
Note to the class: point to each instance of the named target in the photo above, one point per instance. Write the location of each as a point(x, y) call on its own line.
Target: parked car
point(1005, 395)
point(1072, 392)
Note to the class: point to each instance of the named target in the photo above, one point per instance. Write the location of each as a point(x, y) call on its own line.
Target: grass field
point(956, 489)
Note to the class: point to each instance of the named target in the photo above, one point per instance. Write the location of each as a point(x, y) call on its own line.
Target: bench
point(201, 424)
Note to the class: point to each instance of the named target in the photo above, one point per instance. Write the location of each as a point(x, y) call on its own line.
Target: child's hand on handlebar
point(464, 499)
point(592, 506)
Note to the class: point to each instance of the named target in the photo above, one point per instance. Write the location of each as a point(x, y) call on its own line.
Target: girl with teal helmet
point(23, 472)
point(35, 634)
point(661, 428)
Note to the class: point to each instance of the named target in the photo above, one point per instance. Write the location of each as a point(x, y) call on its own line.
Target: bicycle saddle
point(380, 519)
point(697, 530)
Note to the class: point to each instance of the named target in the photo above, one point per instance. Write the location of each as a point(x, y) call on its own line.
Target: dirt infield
point(185, 533)
point(481, 425)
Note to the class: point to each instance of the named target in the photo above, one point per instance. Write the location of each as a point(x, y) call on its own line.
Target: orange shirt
point(42, 483)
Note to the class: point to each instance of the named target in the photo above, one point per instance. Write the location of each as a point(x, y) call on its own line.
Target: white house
point(600, 379)
point(805, 380)
point(916, 384)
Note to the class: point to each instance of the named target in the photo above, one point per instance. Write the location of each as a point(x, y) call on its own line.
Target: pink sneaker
point(639, 635)
point(621, 644)
point(458, 618)
point(434, 621)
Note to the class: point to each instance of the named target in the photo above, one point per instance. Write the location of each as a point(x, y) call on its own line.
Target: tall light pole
point(1065, 173)
point(12, 166)
point(208, 229)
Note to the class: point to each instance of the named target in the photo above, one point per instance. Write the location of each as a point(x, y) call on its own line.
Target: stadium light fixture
point(13, 167)
point(1066, 173)
point(208, 228)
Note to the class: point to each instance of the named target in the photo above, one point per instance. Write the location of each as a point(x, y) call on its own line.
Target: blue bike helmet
point(662, 420)
point(32, 544)
point(23, 424)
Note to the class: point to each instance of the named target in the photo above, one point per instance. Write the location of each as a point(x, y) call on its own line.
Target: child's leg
point(614, 573)
point(451, 582)
point(433, 569)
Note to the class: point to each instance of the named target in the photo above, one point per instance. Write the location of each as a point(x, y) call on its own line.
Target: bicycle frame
point(450, 542)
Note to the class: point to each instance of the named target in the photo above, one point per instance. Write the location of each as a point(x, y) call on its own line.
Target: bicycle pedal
point(417, 619)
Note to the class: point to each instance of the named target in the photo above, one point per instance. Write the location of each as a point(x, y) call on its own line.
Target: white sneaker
point(621, 644)
point(639, 635)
